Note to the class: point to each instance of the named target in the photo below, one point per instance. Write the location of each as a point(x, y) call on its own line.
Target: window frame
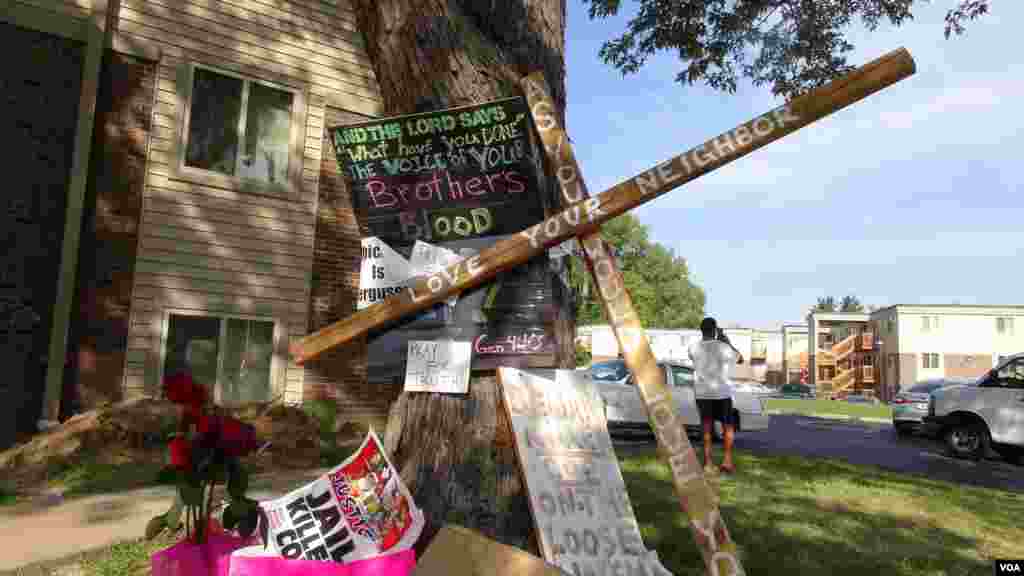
point(278, 363)
point(1007, 325)
point(291, 188)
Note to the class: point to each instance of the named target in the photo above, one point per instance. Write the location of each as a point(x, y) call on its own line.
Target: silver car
point(910, 406)
point(626, 411)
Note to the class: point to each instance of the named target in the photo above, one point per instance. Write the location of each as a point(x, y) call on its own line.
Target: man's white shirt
point(711, 362)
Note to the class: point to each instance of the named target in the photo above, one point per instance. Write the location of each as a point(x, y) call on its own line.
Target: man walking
point(713, 357)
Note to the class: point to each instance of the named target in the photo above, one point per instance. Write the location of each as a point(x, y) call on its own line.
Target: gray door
point(40, 85)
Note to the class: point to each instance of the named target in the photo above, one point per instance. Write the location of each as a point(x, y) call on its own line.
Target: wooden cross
point(582, 219)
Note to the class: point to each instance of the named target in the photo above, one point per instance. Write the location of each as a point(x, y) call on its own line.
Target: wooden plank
point(695, 496)
point(217, 303)
point(218, 227)
point(457, 550)
point(242, 245)
point(256, 28)
point(585, 217)
point(201, 33)
point(227, 277)
point(262, 221)
point(303, 11)
point(237, 288)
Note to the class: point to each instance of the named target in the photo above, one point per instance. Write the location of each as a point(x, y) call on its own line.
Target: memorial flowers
point(206, 451)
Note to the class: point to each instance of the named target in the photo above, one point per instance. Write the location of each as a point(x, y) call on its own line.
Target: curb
point(828, 416)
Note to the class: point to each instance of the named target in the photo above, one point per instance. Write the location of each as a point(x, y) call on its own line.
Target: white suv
point(990, 413)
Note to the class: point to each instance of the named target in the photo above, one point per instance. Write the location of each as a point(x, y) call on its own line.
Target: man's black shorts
point(720, 410)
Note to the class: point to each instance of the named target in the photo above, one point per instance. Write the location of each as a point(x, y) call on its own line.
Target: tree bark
point(456, 453)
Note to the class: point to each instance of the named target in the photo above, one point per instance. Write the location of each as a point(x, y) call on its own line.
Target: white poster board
point(581, 510)
point(384, 272)
point(438, 366)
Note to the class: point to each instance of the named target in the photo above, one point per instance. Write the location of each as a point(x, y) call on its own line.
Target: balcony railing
point(867, 373)
point(844, 347)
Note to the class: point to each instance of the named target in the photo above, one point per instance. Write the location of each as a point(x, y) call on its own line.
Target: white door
point(1004, 403)
point(680, 379)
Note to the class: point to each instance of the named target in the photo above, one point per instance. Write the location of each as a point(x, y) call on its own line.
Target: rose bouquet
point(206, 451)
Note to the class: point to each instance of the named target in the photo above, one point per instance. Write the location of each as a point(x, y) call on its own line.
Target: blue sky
point(911, 196)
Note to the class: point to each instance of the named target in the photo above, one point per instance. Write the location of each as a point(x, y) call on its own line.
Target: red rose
point(181, 453)
point(207, 425)
point(236, 437)
point(181, 389)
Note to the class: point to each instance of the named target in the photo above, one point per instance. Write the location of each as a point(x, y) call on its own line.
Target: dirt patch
point(135, 432)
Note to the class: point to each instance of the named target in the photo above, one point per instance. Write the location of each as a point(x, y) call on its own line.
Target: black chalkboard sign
point(442, 176)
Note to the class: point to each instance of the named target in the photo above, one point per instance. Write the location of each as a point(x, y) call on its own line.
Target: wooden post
point(586, 216)
point(695, 497)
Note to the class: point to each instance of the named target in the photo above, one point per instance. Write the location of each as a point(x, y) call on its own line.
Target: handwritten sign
point(438, 366)
point(534, 341)
point(440, 176)
point(578, 497)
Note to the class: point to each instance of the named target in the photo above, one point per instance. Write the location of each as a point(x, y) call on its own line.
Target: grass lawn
point(818, 406)
point(792, 515)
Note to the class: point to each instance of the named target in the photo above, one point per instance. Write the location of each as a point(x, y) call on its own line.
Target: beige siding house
point(208, 155)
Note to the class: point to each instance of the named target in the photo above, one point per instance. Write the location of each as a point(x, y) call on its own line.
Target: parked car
point(626, 411)
point(796, 391)
point(990, 413)
point(910, 406)
point(860, 399)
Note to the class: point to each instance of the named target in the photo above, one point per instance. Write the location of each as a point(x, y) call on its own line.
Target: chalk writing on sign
point(513, 344)
point(578, 497)
point(438, 366)
point(444, 175)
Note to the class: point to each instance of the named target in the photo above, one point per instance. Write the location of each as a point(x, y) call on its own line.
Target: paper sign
point(584, 519)
point(438, 366)
point(385, 272)
point(359, 509)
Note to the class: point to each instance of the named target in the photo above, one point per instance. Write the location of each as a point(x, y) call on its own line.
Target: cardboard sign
point(585, 216)
point(438, 366)
point(584, 519)
point(457, 551)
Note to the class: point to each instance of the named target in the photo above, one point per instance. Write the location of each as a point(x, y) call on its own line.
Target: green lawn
point(818, 406)
point(792, 515)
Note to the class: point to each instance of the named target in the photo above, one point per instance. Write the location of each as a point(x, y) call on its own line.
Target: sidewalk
point(827, 416)
point(34, 532)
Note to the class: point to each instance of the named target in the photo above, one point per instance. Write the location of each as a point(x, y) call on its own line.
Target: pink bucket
point(395, 564)
point(213, 558)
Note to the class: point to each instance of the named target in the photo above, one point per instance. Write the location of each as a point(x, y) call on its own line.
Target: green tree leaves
point(658, 280)
point(790, 45)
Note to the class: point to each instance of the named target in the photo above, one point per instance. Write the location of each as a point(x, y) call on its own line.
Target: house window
point(240, 130)
point(1004, 326)
point(869, 360)
point(890, 326)
point(930, 360)
point(929, 323)
point(232, 357)
point(892, 360)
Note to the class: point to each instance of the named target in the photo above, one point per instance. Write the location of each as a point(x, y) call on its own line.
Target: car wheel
point(903, 429)
point(967, 440)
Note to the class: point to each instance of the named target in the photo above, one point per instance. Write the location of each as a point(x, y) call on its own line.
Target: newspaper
point(359, 509)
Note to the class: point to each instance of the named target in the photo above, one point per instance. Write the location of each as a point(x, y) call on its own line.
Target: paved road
point(872, 444)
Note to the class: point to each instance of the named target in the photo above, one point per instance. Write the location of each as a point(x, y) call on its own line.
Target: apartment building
point(842, 353)
point(917, 342)
point(169, 166)
point(795, 357)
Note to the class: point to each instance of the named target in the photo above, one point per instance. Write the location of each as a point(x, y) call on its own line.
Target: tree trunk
point(456, 453)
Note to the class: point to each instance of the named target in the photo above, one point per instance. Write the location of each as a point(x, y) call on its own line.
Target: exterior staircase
point(843, 380)
point(842, 349)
